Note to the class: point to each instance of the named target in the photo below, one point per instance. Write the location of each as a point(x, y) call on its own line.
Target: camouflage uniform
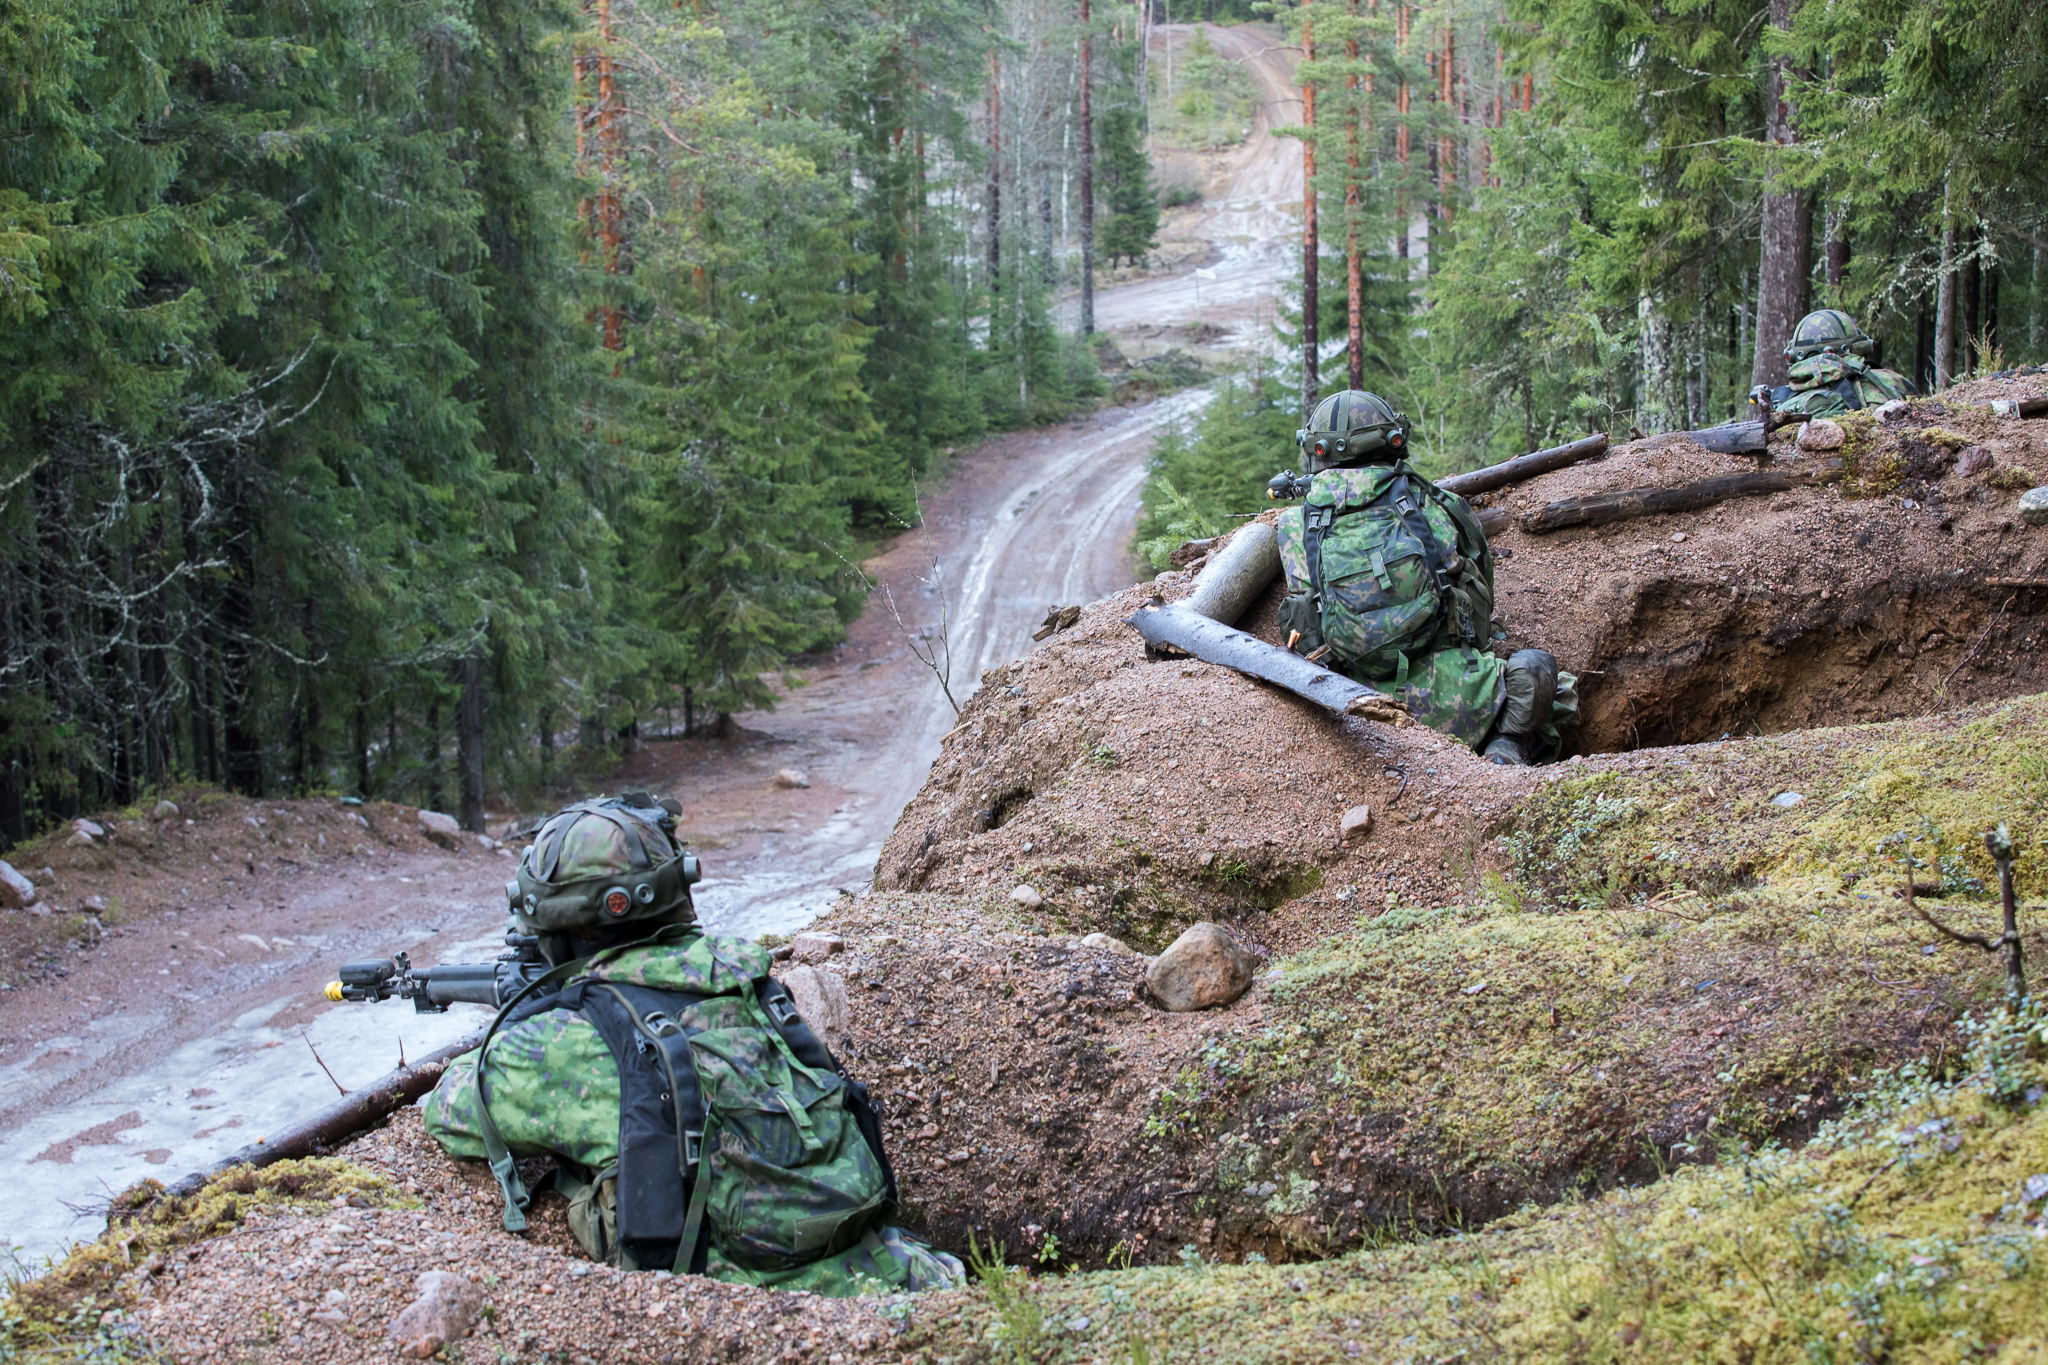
point(1373, 600)
point(788, 1189)
point(1831, 370)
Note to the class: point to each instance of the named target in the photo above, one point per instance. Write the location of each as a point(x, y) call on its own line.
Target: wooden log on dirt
point(1213, 642)
point(1237, 574)
point(2019, 407)
point(1732, 438)
point(1525, 466)
point(341, 1120)
point(1627, 503)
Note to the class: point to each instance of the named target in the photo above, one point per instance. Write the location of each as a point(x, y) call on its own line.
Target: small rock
point(1787, 799)
point(1975, 460)
point(821, 999)
point(1105, 942)
point(444, 830)
point(957, 1157)
point(446, 1306)
point(1820, 434)
point(488, 844)
point(165, 810)
point(1678, 537)
point(1026, 897)
point(2034, 506)
point(89, 829)
point(96, 905)
point(792, 777)
point(815, 946)
point(1474, 988)
point(2037, 1187)
point(1355, 823)
point(1204, 967)
point(1887, 411)
point(16, 890)
point(79, 839)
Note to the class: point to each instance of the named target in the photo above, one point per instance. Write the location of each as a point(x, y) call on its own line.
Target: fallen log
point(1731, 438)
point(1525, 466)
point(2019, 407)
point(339, 1121)
point(1213, 642)
point(1624, 504)
point(1237, 574)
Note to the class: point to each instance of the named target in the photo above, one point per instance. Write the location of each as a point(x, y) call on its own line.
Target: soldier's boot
point(1505, 752)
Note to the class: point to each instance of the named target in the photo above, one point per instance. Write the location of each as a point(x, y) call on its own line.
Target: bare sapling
point(933, 646)
point(1999, 842)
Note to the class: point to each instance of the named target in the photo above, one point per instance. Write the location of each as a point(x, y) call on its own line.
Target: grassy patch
point(1905, 1231)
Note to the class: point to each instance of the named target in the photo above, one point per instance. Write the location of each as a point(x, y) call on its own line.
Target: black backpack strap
point(661, 1116)
point(804, 1043)
point(1316, 520)
point(1408, 501)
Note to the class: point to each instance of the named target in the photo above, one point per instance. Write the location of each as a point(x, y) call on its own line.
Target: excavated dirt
point(1514, 985)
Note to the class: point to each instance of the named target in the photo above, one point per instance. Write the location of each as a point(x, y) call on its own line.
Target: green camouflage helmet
point(597, 865)
point(1352, 427)
point(1829, 329)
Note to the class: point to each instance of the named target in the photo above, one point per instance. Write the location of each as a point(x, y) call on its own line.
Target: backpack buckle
point(782, 1010)
point(693, 1148)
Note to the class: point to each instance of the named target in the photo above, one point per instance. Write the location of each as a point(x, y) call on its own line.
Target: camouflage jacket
point(1379, 610)
point(555, 1090)
point(1824, 384)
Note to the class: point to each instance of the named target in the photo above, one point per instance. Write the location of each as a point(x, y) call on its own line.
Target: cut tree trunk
point(1525, 466)
point(340, 1121)
point(1235, 577)
point(1628, 503)
point(1216, 643)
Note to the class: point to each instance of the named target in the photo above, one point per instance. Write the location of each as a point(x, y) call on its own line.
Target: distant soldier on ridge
point(1392, 579)
point(1831, 370)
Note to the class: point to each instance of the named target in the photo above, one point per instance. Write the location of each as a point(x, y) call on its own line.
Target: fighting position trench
point(1502, 987)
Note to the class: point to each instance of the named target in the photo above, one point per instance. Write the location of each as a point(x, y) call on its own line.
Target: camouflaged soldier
point(1831, 370)
point(697, 1123)
point(1392, 579)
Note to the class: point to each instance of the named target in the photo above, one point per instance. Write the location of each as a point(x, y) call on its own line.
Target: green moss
point(73, 1312)
point(1903, 1232)
point(1943, 437)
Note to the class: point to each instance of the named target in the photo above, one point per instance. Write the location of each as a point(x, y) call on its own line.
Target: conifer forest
point(398, 395)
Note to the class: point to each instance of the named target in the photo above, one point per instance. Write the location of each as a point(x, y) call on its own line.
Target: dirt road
point(181, 1040)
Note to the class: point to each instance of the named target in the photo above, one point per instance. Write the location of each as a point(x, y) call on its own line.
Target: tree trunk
point(1354, 274)
point(1972, 286)
point(1945, 308)
point(1786, 249)
point(469, 744)
point(2037, 306)
point(1311, 340)
point(435, 792)
point(362, 741)
point(995, 187)
point(1837, 251)
point(1087, 184)
point(1653, 403)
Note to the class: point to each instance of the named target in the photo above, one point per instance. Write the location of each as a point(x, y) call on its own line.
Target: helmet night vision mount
point(1352, 427)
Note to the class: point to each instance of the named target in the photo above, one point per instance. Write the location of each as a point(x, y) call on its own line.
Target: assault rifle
point(433, 989)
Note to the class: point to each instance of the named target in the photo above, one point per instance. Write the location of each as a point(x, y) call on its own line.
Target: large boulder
point(16, 891)
point(444, 830)
point(821, 999)
point(1203, 968)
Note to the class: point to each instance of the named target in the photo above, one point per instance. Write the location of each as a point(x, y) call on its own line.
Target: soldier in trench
point(1831, 370)
point(1390, 580)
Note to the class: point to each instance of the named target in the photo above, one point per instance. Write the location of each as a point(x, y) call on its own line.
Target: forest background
point(397, 393)
point(1541, 218)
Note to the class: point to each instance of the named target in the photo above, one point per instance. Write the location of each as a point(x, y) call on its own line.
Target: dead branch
point(1525, 466)
point(1628, 503)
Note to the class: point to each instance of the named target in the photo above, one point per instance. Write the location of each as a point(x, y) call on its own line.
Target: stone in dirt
point(1975, 460)
point(792, 777)
point(444, 830)
point(443, 1313)
point(1820, 434)
point(88, 829)
point(812, 946)
point(821, 999)
point(1355, 823)
point(1026, 897)
point(79, 839)
point(1105, 942)
point(1204, 967)
point(16, 890)
point(165, 810)
point(2034, 506)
